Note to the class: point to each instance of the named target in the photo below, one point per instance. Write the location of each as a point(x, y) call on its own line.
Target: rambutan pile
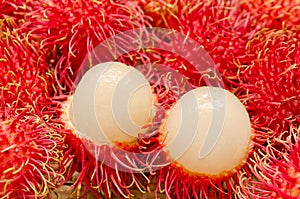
point(227, 30)
point(253, 47)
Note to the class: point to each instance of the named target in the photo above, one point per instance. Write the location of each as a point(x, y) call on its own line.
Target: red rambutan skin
point(218, 26)
point(70, 29)
point(16, 9)
point(24, 74)
point(271, 14)
point(270, 81)
point(276, 168)
point(31, 151)
point(32, 141)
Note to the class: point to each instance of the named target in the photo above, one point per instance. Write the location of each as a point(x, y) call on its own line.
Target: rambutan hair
point(70, 29)
point(24, 74)
point(32, 143)
point(275, 168)
point(31, 151)
point(271, 14)
point(16, 9)
point(271, 89)
point(219, 26)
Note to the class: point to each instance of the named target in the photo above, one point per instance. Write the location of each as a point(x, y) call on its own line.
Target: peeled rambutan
point(106, 170)
point(109, 158)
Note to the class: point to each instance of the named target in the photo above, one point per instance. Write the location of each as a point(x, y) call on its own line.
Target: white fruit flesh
point(111, 103)
point(208, 131)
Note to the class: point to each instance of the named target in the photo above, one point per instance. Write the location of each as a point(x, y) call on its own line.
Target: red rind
point(71, 29)
point(24, 74)
point(270, 81)
point(276, 169)
point(31, 151)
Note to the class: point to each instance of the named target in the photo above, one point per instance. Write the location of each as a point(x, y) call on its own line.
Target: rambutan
point(106, 170)
point(270, 81)
point(271, 14)
point(216, 25)
point(70, 29)
point(31, 152)
point(271, 94)
point(24, 74)
point(276, 168)
point(32, 143)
